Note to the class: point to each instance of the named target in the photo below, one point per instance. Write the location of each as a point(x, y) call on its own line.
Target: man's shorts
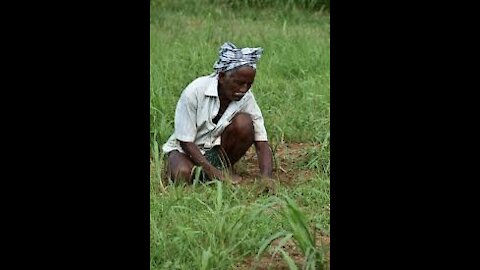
point(218, 158)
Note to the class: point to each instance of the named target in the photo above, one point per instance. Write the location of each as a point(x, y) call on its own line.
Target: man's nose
point(244, 88)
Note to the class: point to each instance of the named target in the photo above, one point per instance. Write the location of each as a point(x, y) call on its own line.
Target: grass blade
point(206, 255)
point(289, 260)
point(266, 243)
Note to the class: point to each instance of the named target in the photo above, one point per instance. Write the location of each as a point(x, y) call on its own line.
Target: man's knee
point(243, 119)
point(182, 172)
point(179, 166)
point(243, 125)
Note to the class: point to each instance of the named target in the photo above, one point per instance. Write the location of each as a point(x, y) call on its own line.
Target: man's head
point(234, 83)
point(236, 70)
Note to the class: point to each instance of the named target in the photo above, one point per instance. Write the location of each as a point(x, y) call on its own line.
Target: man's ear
point(221, 76)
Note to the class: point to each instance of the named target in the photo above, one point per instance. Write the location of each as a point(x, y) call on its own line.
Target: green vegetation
point(219, 226)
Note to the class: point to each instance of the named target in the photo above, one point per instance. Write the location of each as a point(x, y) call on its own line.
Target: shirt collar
point(212, 87)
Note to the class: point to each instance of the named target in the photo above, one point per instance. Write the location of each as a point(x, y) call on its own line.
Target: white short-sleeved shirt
point(198, 105)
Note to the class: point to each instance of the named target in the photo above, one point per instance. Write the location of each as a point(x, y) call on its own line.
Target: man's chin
point(238, 97)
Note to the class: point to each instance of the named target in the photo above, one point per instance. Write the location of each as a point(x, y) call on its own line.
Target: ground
point(287, 169)
point(277, 262)
point(288, 158)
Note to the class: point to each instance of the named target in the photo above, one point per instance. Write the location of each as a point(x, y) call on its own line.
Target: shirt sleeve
point(257, 118)
point(185, 117)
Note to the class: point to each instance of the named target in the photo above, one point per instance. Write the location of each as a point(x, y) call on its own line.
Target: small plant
point(156, 165)
point(318, 157)
point(197, 171)
point(298, 231)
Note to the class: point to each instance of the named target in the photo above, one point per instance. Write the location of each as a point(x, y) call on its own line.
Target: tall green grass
point(292, 85)
point(217, 226)
point(287, 4)
point(196, 7)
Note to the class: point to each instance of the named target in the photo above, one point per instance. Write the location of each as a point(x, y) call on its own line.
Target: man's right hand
point(215, 173)
point(266, 185)
point(236, 179)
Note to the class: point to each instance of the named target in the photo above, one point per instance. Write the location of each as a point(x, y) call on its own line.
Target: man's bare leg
point(238, 137)
point(236, 140)
point(179, 167)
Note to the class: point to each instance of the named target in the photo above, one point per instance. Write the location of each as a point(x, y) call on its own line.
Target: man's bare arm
point(265, 158)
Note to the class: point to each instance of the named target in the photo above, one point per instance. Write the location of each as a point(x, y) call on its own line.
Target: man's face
point(234, 84)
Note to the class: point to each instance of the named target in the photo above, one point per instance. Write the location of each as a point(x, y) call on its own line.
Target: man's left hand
point(266, 185)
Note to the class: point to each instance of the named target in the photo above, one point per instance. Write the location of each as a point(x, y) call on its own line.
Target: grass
point(298, 229)
point(219, 226)
point(293, 81)
point(216, 226)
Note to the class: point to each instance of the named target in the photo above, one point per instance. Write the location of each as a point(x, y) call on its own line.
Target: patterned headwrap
point(231, 57)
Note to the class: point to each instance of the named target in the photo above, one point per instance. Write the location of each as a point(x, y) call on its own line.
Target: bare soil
point(288, 159)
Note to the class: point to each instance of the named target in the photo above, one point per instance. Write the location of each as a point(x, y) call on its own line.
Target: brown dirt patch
point(266, 261)
point(288, 159)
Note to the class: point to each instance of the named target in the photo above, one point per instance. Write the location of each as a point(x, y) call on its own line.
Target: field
point(218, 226)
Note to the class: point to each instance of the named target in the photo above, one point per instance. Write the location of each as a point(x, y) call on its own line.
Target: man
point(217, 120)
